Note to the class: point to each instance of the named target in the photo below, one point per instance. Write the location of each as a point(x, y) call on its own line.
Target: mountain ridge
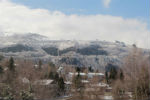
point(78, 53)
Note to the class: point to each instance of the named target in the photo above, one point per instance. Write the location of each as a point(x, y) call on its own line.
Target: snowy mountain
point(63, 52)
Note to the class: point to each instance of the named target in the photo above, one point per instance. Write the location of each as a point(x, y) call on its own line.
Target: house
point(71, 75)
point(85, 81)
point(36, 66)
point(100, 85)
point(91, 75)
point(25, 80)
point(68, 83)
point(109, 89)
point(87, 75)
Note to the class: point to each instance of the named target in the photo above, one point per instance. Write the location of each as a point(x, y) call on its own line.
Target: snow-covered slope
point(65, 52)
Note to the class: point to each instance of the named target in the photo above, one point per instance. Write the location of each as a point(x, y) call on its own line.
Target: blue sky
point(124, 8)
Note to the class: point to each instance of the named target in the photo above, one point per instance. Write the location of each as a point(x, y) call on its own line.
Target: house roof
point(96, 74)
point(68, 82)
point(101, 85)
point(88, 74)
point(82, 74)
point(43, 82)
point(85, 81)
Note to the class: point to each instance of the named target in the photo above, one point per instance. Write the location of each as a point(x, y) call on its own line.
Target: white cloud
point(4, 0)
point(16, 18)
point(106, 3)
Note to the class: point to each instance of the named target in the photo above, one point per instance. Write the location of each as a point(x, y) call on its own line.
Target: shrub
point(25, 95)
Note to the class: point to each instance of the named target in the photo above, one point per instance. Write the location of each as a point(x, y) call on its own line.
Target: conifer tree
point(113, 73)
point(11, 65)
point(1, 69)
point(40, 64)
point(78, 69)
point(106, 77)
point(121, 75)
point(61, 84)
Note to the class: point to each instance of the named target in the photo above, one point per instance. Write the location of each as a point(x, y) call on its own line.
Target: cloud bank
point(106, 3)
point(15, 18)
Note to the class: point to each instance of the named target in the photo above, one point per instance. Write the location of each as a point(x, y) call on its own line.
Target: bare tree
point(137, 74)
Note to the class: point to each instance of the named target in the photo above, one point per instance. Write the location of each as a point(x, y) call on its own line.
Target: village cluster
point(22, 79)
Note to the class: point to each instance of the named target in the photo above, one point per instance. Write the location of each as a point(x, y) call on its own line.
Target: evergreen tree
point(61, 84)
point(113, 73)
point(106, 76)
point(40, 64)
point(56, 76)
point(78, 69)
point(1, 57)
point(1, 69)
point(53, 75)
point(11, 65)
point(121, 75)
point(90, 69)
